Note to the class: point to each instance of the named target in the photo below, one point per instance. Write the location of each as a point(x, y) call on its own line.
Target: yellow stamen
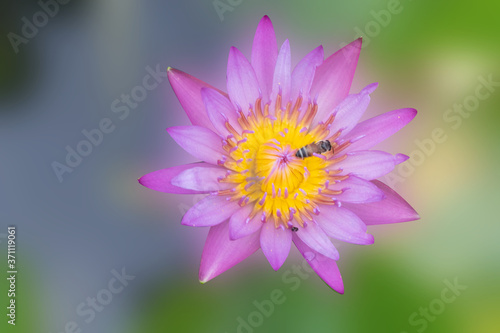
point(266, 172)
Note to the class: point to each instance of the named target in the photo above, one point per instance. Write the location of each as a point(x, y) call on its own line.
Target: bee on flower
point(287, 156)
point(314, 148)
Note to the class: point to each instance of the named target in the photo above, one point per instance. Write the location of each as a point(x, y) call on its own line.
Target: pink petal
point(303, 74)
point(357, 190)
point(242, 84)
point(333, 79)
point(374, 130)
point(220, 253)
point(200, 142)
point(326, 268)
point(187, 88)
point(210, 211)
point(342, 224)
point(282, 75)
point(203, 179)
point(264, 54)
point(161, 180)
point(369, 164)
point(275, 243)
point(392, 209)
point(350, 110)
point(240, 225)
point(220, 110)
point(316, 239)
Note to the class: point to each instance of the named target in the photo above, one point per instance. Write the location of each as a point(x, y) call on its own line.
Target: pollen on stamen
point(273, 145)
point(321, 156)
point(263, 217)
point(275, 141)
point(241, 202)
point(261, 202)
point(306, 173)
point(247, 186)
point(255, 178)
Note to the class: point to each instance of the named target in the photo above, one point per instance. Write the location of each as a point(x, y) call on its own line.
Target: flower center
point(265, 170)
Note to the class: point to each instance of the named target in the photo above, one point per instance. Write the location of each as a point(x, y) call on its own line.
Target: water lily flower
point(260, 192)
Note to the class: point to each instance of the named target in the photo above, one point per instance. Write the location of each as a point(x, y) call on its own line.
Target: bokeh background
point(72, 235)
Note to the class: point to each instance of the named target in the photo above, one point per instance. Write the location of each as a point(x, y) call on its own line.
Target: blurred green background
point(72, 235)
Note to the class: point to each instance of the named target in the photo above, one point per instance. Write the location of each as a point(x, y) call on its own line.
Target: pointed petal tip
point(276, 266)
point(337, 286)
point(400, 158)
point(204, 278)
point(185, 222)
point(173, 73)
point(371, 87)
point(355, 43)
point(171, 130)
point(410, 217)
point(265, 23)
point(412, 111)
point(407, 113)
point(369, 239)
